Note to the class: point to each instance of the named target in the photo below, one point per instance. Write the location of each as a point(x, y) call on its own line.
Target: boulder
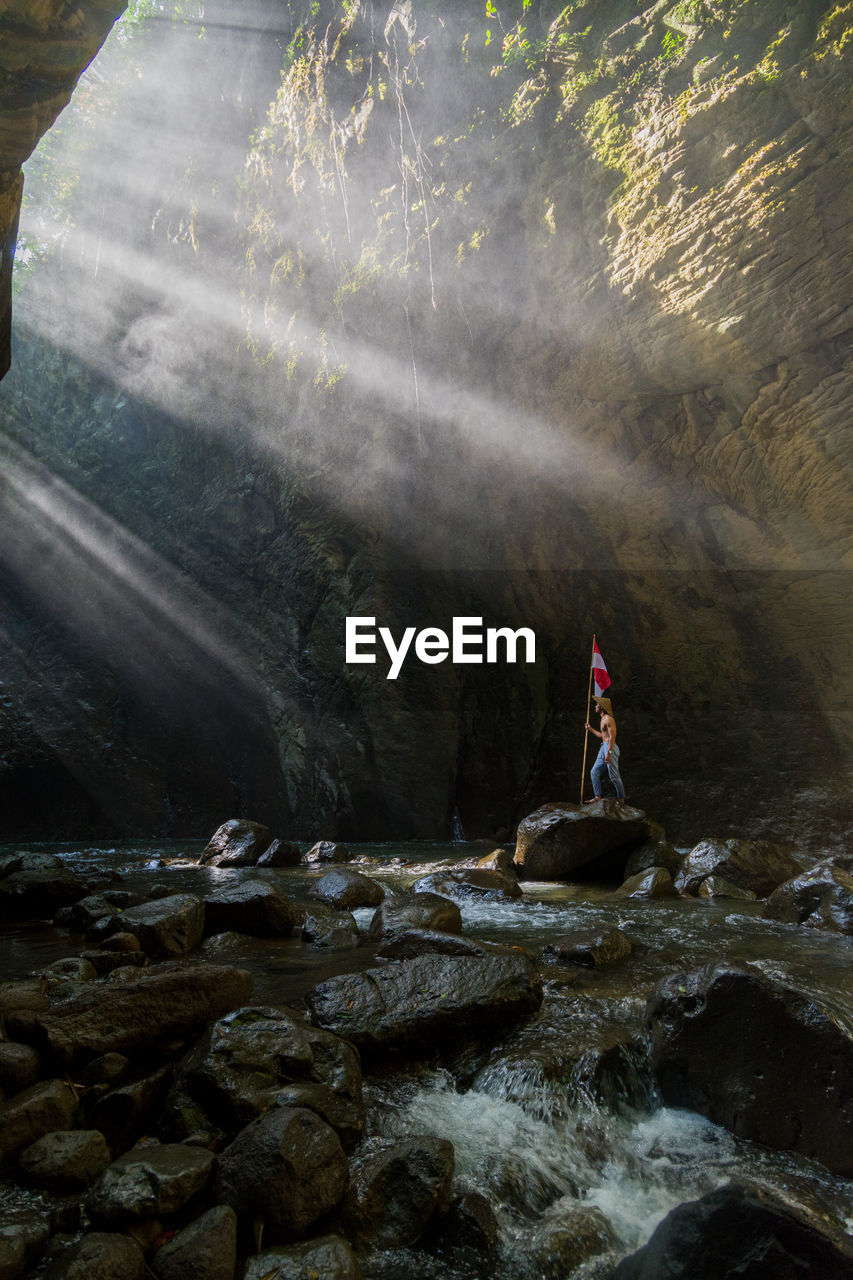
point(281, 853)
point(330, 930)
point(287, 1167)
point(422, 942)
point(654, 853)
point(395, 1187)
point(39, 886)
point(327, 851)
point(468, 1222)
point(142, 1014)
point(256, 907)
point(570, 841)
point(326, 1257)
point(43, 1107)
point(567, 1233)
point(206, 1249)
point(499, 860)
point(735, 1232)
point(237, 843)
point(20, 1066)
point(415, 911)
point(150, 1180)
point(656, 882)
point(257, 1058)
point(126, 1112)
point(66, 1160)
point(476, 882)
point(347, 888)
point(81, 915)
point(756, 865)
point(23, 1236)
point(821, 898)
point(723, 1040)
point(166, 927)
point(104, 962)
point(591, 948)
point(419, 1003)
point(100, 1255)
point(718, 887)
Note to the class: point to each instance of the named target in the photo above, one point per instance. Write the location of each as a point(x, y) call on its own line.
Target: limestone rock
point(562, 841)
point(237, 843)
point(704, 1061)
point(422, 1002)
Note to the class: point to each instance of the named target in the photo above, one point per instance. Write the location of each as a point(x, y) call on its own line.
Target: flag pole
point(588, 706)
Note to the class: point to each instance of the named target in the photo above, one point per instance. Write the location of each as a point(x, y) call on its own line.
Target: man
point(607, 760)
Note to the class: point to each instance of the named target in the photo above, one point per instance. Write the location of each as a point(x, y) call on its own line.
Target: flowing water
point(563, 1111)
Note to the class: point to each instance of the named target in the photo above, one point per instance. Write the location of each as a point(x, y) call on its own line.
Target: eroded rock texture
point(572, 354)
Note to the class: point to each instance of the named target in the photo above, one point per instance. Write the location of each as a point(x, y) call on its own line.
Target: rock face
point(637, 299)
point(566, 841)
point(705, 1062)
point(421, 1002)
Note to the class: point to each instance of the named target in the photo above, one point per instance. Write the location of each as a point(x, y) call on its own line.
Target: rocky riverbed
point(255, 1059)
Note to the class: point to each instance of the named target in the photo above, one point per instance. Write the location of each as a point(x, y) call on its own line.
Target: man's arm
point(609, 736)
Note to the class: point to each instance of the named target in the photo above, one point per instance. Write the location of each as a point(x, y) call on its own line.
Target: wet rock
point(38, 1110)
point(330, 930)
point(565, 1236)
point(287, 1167)
point(821, 898)
point(256, 907)
point(419, 1003)
point(105, 1070)
point(122, 941)
point(166, 927)
point(467, 1222)
point(415, 911)
point(704, 1061)
point(70, 969)
point(327, 1257)
point(421, 942)
point(100, 1255)
point(66, 1160)
point(561, 841)
point(654, 883)
point(281, 853)
point(718, 887)
point(83, 914)
point(39, 887)
point(499, 860)
point(591, 948)
point(756, 865)
point(150, 1180)
point(395, 1187)
point(735, 1232)
point(237, 843)
point(23, 1237)
point(104, 962)
point(327, 851)
point(125, 1113)
point(206, 1249)
point(257, 1058)
point(20, 1066)
point(142, 1014)
point(476, 882)
point(345, 887)
point(655, 853)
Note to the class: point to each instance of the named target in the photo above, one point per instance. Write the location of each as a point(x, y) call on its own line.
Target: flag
point(599, 671)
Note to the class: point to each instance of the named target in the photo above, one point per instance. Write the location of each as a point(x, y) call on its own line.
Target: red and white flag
point(599, 672)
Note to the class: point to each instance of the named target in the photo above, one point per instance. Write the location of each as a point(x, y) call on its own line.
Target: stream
point(562, 1106)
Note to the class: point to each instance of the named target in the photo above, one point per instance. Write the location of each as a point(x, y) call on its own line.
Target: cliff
point(546, 324)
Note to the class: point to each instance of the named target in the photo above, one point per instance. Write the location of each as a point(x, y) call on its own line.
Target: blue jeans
point(600, 770)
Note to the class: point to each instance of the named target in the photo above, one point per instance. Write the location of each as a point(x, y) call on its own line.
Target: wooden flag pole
point(588, 706)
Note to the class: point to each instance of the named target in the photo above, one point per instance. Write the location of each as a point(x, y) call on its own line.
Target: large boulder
point(24, 1233)
point(327, 851)
point(40, 1109)
point(205, 1249)
point(395, 1188)
point(347, 888)
point(65, 1160)
point(415, 911)
point(330, 929)
point(36, 886)
point(591, 948)
point(281, 853)
point(142, 1014)
point(150, 1180)
point(256, 907)
point(473, 882)
point(100, 1255)
point(166, 927)
point(570, 841)
point(325, 1257)
point(735, 1232)
point(237, 843)
point(421, 1002)
point(821, 898)
point(755, 865)
point(287, 1167)
point(257, 1058)
point(723, 1041)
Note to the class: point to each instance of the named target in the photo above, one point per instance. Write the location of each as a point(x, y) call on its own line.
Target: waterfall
point(458, 833)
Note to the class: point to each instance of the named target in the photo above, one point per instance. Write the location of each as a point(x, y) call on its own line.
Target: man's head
point(603, 706)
